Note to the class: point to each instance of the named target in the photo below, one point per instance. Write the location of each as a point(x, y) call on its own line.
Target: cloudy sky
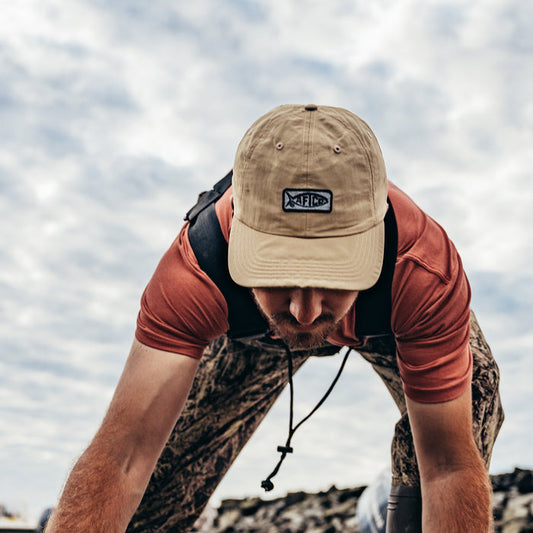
point(114, 115)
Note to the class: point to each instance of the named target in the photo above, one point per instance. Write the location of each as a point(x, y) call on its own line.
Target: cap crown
point(309, 171)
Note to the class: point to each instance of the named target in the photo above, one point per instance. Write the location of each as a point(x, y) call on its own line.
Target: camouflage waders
point(236, 385)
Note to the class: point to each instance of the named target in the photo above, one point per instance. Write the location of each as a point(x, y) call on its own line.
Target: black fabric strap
point(211, 251)
point(373, 307)
point(209, 197)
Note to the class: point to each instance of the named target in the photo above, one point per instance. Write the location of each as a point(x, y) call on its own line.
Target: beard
point(286, 327)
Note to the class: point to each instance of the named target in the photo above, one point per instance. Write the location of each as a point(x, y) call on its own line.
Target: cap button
point(311, 107)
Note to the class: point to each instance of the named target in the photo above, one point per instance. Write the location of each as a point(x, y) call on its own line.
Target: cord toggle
point(285, 449)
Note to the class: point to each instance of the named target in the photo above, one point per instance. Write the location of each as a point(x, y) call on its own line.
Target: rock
point(518, 514)
point(521, 479)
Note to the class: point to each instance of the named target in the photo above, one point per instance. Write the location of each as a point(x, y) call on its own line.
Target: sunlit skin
point(304, 317)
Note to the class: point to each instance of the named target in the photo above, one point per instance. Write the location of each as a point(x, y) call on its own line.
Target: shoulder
point(182, 310)
point(427, 262)
point(429, 278)
point(421, 239)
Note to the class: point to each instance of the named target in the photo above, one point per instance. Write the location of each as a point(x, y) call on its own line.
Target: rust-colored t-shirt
point(182, 310)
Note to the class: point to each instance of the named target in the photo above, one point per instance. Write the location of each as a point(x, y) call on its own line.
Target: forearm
point(99, 496)
point(458, 501)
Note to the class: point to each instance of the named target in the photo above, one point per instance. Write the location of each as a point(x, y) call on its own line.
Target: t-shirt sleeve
point(182, 310)
point(431, 318)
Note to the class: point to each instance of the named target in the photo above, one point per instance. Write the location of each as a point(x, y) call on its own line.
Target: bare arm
point(454, 482)
point(107, 483)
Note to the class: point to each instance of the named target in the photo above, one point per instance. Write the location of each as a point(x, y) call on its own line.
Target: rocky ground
point(334, 511)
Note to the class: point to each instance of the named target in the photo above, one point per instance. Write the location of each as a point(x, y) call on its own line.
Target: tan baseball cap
point(310, 196)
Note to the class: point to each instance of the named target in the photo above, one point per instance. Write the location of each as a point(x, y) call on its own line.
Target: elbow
point(126, 463)
point(137, 464)
point(467, 464)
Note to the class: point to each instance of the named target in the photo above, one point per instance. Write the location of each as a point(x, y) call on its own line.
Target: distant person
point(303, 249)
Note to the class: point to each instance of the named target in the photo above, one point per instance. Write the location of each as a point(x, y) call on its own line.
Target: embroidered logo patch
point(307, 200)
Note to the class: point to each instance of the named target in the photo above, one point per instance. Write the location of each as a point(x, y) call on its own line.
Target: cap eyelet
point(279, 146)
point(337, 149)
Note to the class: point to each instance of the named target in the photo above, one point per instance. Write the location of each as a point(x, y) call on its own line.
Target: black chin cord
point(284, 450)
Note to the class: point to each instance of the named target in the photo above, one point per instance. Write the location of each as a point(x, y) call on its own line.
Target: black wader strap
point(211, 251)
point(373, 306)
point(209, 197)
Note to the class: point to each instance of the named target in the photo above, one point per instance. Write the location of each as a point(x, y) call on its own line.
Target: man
point(333, 255)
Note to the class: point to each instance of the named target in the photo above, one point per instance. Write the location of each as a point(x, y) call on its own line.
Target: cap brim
point(351, 262)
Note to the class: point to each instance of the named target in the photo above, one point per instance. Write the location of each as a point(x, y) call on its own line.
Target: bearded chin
point(302, 339)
